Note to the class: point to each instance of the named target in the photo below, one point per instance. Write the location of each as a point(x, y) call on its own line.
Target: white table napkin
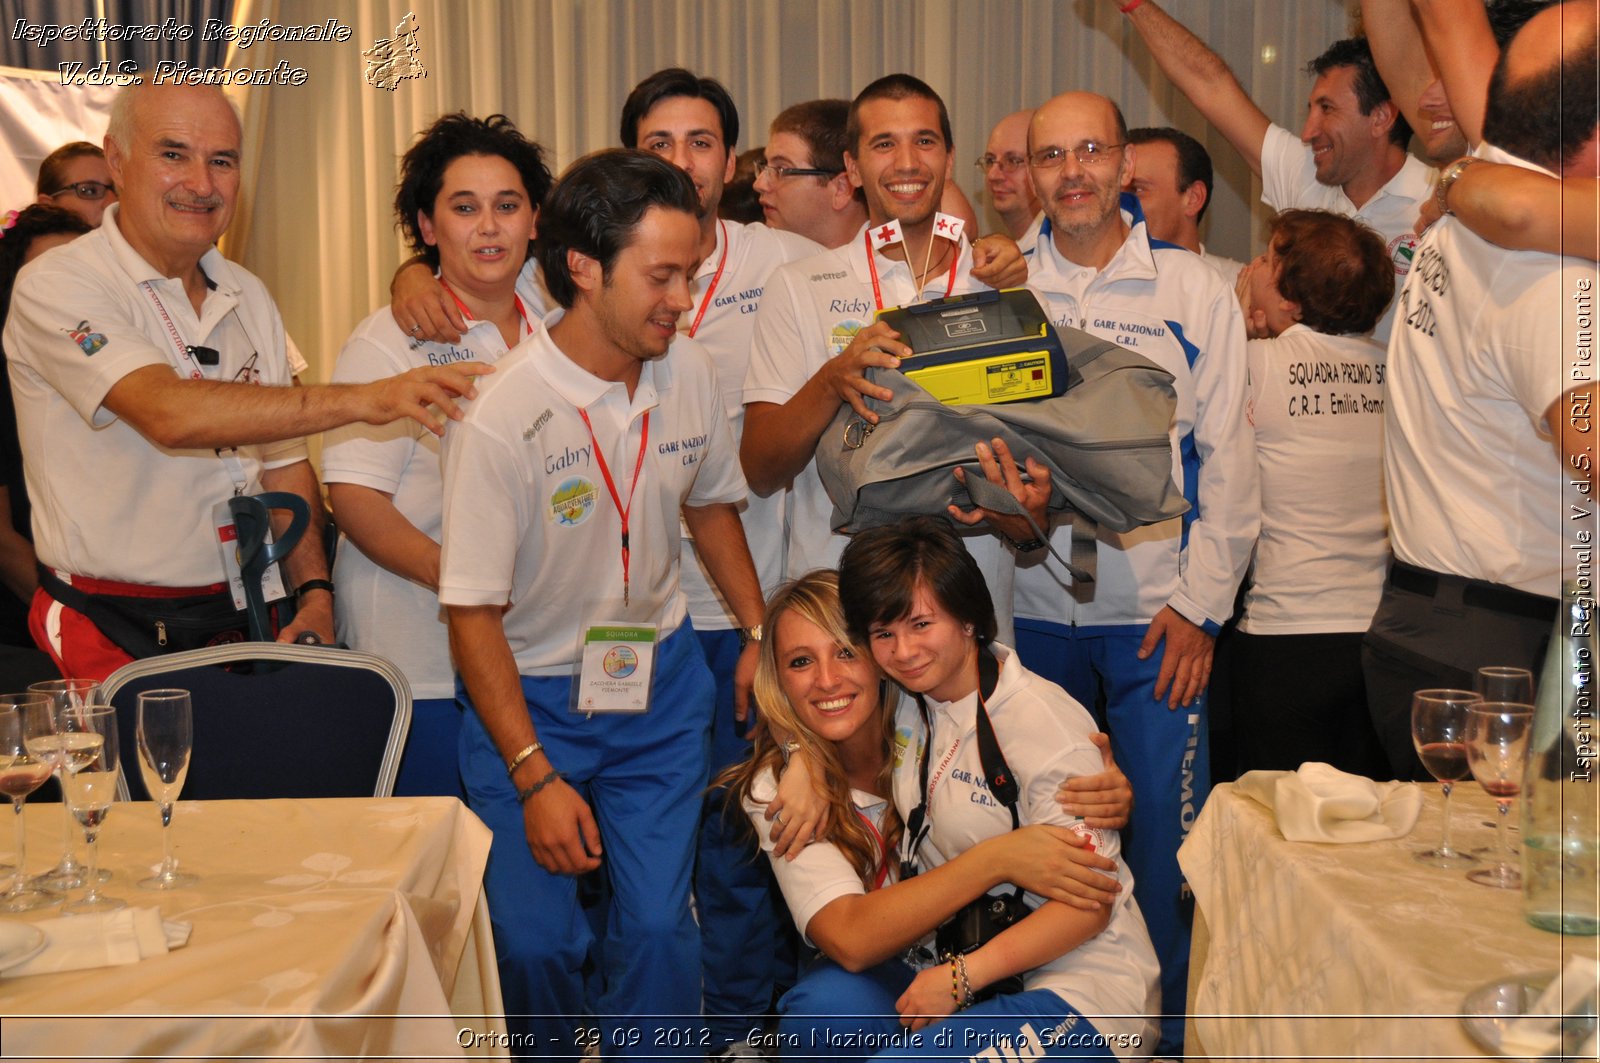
point(106, 939)
point(1320, 803)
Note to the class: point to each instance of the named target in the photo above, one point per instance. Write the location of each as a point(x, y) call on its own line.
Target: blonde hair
point(815, 597)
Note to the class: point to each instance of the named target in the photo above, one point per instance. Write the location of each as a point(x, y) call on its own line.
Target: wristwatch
point(747, 635)
point(1441, 193)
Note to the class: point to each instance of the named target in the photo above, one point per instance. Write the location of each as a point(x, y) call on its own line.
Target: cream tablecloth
point(1332, 951)
point(321, 928)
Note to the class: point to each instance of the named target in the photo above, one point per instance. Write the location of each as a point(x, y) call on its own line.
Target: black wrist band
point(313, 585)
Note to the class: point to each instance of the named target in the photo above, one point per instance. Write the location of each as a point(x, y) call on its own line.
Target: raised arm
point(1398, 53)
point(1202, 76)
point(1463, 48)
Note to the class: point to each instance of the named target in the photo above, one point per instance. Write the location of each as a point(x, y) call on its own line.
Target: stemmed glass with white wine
point(23, 719)
point(69, 748)
point(166, 736)
point(90, 791)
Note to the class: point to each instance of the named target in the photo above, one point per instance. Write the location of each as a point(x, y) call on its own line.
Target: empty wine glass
point(66, 694)
point(23, 717)
point(1497, 750)
point(165, 737)
point(1502, 683)
point(1438, 730)
point(90, 791)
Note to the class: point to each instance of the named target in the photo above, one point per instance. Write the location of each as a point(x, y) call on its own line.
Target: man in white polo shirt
point(692, 122)
point(814, 335)
point(134, 353)
point(591, 701)
point(1488, 343)
point(1350, 156)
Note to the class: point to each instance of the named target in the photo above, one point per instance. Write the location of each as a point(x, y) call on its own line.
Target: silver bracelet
point(516, 761)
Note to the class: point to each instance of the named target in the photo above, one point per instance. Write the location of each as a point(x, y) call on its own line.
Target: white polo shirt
point(1474, 485)
point(1289, 179)
point(1044, 736)
point(1227, 268)
point(107, 502)
point(820, 874)
point(728, 288)
point(527, 515)
point(811, 311)
point(378, 611)
point(1317, 407)
point(1163, 302)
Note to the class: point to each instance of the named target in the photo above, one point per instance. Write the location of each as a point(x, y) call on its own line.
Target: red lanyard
point(468, 313)
point(605, 471)
point(883, 857)
point(705, 301)
point(877, 293)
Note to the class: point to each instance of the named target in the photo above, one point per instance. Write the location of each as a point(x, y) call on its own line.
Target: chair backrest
point(275, 720)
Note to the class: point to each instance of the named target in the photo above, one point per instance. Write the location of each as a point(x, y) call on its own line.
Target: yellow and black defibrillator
point(982, 348)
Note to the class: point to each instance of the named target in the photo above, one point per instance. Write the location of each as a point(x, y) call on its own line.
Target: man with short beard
point(1141, 636)
point(1350, 155)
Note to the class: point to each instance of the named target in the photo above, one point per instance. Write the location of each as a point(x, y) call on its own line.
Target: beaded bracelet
point(523, 795)
point(960, 988)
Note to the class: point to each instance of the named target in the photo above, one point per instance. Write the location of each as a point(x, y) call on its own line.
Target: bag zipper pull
point(161, 632)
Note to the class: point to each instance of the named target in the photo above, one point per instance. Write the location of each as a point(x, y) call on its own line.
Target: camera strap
point(996, 772)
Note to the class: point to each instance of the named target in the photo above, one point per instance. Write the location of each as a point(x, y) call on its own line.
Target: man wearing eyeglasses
point(1004, 166)
point(1141, 636)
point(803, 186)
point(75, 177)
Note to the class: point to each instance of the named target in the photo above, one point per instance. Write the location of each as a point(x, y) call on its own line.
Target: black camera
point(977, 924)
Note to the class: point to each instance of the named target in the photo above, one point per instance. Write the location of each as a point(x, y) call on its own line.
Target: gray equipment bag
point(1104, 441)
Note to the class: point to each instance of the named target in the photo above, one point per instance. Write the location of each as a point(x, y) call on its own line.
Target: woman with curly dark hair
point(470, 189)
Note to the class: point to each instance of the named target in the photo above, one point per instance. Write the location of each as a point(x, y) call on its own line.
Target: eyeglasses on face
point(1089, 153)
point(1008, 163)
point(766, 169)
point(90, 190)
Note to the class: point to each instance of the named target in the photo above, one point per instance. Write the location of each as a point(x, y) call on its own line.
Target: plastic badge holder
point(981, 349)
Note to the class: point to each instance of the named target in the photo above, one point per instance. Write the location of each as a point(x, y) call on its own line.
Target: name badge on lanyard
point(618, 660)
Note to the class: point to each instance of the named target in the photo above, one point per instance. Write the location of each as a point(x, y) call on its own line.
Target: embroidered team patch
point(573, 501)
point(840, 335)
point(1402, 249)
point(86, 338)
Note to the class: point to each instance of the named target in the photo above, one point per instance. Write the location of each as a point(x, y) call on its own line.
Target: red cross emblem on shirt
point(886, 233)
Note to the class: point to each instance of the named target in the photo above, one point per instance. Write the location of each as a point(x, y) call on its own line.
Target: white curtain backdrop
point(319, 219)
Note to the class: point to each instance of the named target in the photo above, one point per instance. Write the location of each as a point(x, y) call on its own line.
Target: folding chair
point(275, 720)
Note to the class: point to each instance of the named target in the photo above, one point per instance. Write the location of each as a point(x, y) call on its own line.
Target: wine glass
point(1497, 750)
point(165, 737)
point(1438, 730)
point(22, 718)
point(90, 791)
point(1502, 683)
point(66, 754)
